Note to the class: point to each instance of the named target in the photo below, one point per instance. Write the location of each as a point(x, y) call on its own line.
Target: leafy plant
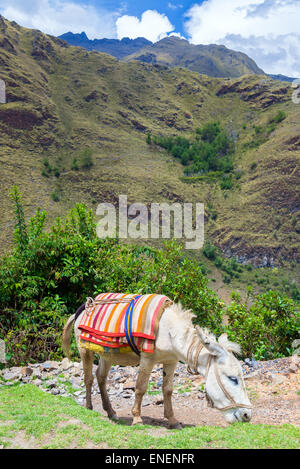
point(267, 328)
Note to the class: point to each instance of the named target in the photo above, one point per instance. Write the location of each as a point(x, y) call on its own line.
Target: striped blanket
point(122, 322)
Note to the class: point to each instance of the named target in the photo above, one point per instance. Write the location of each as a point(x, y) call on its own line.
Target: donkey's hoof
point(176, 426)
point(137, 421)
point(113, 417)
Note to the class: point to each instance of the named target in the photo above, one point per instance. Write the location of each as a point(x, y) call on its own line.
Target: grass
point(31, 418)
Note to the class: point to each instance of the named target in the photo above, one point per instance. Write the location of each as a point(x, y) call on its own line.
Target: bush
point(211, 150)
point(266, 329)
point(226, 182)
point(55, 196)
point(210, 251)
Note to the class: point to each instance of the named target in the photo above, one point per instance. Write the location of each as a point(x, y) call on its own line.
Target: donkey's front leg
point(168, 375)
point(146, 366)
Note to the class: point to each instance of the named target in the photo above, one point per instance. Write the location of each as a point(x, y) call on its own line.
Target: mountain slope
point(212, 60)
point(64, 100)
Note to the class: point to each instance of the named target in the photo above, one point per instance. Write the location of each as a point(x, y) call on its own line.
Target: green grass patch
point(54, 422)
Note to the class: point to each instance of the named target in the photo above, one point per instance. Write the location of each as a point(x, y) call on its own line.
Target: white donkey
point(177, 340)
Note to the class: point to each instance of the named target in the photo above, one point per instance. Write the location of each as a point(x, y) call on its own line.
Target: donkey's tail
point(66, 336)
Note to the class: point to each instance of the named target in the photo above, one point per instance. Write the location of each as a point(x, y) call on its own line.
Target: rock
point(66, 364)
point(37, 373)
point(75, 383)
point(277, 379)
point(51, 384)
point(293, 368)
point(129, 385)
point(296, 361)
point(55, 392)
point(26, 379)
point(116, 377)
point(253, 375)
point(26, 371)
point(49, 366)
point(159, 402)
point(11, 375)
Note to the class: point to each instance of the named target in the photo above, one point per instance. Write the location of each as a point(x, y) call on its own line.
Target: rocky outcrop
point(262, 93)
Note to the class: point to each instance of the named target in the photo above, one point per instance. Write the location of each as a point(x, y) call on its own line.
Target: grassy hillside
point(65, 102)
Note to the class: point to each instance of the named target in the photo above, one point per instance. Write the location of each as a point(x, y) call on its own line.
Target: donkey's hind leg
point(87, 357)
point(101, 374)
point(168, 375)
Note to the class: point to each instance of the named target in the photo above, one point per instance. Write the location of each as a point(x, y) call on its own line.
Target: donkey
point(177, 340)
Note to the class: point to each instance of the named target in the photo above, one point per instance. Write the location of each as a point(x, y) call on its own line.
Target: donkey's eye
point(233, 379)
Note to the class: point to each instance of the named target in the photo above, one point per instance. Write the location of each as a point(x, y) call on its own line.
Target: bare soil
point(274, 394)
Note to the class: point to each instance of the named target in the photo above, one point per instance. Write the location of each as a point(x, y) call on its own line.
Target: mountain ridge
point(212, 59)
point(115, 47)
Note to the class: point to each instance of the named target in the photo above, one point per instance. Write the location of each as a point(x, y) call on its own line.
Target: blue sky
point(173, 9)
point(266, 30)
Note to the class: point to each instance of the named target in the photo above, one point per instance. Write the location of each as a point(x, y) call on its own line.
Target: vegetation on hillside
point(210, 151)
point(61, 100)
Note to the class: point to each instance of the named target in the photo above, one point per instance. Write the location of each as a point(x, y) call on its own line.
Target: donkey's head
point(225, 388)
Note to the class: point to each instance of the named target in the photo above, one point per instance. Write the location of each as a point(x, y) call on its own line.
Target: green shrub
point(210, 251)
point(267, 328)
point(55, 196)
point(211, 150)
point(279, 117)
point(226, 182)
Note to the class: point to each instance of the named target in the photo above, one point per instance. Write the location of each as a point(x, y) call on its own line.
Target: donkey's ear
point(212, 346)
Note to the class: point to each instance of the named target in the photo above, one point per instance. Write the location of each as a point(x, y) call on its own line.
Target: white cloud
point(152, 25)
point(266, 30)
point(174, 6)
point(176, 35)
point(57, 17)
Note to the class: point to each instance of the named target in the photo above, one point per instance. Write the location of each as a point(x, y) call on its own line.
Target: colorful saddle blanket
point(122, 322)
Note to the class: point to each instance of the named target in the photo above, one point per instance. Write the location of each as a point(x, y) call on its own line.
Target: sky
point(266, 30)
